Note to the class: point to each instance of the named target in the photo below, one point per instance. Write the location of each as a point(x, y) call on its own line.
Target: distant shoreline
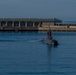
point(36, 24)
point(57, 30)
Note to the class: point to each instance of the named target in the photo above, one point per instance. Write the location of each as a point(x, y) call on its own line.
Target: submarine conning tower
point(49, 34)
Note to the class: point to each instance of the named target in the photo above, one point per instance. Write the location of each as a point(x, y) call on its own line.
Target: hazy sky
point(62, 9)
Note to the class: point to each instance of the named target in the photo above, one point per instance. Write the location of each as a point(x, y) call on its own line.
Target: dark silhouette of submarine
point(49, 40)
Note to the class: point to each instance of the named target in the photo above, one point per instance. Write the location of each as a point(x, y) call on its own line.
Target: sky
point(61, 9)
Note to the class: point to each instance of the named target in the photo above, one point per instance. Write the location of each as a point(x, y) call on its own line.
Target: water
point(25, 54)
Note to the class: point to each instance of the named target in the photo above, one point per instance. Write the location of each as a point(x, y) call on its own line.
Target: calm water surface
point(25, 54)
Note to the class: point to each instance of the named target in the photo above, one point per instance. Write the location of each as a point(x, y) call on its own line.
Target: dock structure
point(34, 24)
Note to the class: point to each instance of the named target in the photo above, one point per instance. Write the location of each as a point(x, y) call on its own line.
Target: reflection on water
point(49, 53)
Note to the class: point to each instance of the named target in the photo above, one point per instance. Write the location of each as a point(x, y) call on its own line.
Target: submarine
point(50, 40)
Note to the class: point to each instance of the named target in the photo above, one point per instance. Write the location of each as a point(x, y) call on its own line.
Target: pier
point(34, 24)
